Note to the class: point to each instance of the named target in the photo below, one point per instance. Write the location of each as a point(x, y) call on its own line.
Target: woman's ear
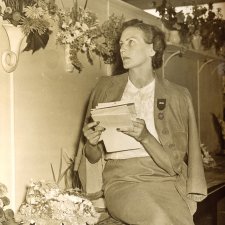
point(151, 50)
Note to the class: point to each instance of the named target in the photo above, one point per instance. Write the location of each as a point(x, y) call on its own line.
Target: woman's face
point(133, 49)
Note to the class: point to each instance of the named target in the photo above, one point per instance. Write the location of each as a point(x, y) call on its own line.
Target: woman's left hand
point(139, 130)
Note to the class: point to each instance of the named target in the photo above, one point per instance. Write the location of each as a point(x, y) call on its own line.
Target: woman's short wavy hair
point(152, 35)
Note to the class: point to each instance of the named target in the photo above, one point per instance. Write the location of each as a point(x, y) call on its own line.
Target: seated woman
point(159, 183)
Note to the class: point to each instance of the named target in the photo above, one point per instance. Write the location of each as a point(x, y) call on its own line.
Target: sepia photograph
point(112, 112)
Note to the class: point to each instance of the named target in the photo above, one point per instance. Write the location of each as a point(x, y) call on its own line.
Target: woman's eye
point(131, 43)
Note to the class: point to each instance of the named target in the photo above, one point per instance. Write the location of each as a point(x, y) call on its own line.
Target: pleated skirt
point(138, 192)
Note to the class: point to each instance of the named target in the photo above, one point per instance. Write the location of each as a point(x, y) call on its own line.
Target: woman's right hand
point(92, 131)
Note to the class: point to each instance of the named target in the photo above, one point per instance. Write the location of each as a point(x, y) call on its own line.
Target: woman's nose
point(122, 49)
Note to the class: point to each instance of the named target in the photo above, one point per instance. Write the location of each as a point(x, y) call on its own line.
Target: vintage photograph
point(112, 112)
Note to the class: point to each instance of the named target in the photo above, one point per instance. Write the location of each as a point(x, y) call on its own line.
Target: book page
point(115, 115)
point(117, 141)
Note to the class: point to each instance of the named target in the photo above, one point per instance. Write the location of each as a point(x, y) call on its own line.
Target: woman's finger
point(90, 125)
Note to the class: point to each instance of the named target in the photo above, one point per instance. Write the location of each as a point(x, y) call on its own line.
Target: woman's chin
point(126, 66)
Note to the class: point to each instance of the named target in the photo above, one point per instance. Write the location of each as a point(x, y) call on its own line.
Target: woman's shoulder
point(108, 80)
point(176, 89)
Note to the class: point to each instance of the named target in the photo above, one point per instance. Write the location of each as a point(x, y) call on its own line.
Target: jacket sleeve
point(90, 174)
point(196, 183)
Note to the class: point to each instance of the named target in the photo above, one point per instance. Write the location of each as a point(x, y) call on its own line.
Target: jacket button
point(161, 116)
point(165, 131)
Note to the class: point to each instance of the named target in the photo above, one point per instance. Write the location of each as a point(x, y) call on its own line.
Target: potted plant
point(202, 24)
point(206, 24)
point(212, 29)
point(35, 17)
point(78, 29)
point(172, 20)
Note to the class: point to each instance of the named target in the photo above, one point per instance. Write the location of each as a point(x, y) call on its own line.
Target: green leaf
point(36, 41)
point(60, 168)
point(53, 173)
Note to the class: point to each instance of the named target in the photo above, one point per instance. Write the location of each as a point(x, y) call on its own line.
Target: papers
point(113, 115)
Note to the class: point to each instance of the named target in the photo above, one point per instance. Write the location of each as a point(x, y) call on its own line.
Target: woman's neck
point(141, 77)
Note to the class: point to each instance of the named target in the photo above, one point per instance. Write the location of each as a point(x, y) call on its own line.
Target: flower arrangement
point(78, 28)
point(36, 18)
point(6, 214)
point(171, 19)
point(202, 20)
point(47, 204)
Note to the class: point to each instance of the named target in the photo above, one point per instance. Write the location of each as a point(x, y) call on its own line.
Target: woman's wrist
point(92, 152)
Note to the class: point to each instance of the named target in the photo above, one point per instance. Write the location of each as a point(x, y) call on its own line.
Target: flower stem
point(62, 4)
point(85, 4)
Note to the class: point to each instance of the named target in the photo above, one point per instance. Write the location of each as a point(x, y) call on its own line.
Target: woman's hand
point(139, 130)
point(93, 132)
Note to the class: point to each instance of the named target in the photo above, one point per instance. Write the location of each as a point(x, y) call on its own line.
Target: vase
point(69, 67)
point(174, 37)
point(196, 41)
point(10, 57)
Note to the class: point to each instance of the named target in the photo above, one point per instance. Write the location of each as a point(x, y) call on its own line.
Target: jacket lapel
point(161, 103)
point(116, 88)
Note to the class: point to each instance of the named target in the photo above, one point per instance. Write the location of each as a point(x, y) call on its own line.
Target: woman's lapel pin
point(161, 103)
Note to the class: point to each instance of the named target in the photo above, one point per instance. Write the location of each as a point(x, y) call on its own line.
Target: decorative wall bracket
point(179, 52)
point(200, 68)
point(10, 57)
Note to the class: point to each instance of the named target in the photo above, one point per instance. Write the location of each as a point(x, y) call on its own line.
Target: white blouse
point(143, 99)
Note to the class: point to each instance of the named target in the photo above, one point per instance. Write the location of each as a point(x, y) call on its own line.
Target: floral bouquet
point(36, 18)
point(47, 204)
point(78, 29)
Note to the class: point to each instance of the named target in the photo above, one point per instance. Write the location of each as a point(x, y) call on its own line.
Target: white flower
point(34, 12)
point(92, 46)
point(65, 25)
point(77, 33)
point(84, 27)
point(78, 24)
point(84, 48)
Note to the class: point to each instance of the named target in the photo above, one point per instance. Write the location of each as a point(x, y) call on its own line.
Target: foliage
point(212, 29)
point(67, 174)
point(171, 19)
point(111, 30)
point(47, 204)
point(35, 17)
point(6, 214)
point(219, 126)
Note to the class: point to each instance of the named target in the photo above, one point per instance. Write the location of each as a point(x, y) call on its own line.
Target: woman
point(152, 185)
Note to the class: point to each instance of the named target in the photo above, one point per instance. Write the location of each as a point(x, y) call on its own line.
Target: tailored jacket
point(177, 131)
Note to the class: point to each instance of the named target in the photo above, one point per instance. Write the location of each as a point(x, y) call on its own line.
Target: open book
point(113, 115)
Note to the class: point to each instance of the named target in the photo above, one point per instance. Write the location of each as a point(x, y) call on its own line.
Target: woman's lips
point(125, 58)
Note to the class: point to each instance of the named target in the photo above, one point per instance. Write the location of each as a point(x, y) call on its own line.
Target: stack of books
point(113, 115)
